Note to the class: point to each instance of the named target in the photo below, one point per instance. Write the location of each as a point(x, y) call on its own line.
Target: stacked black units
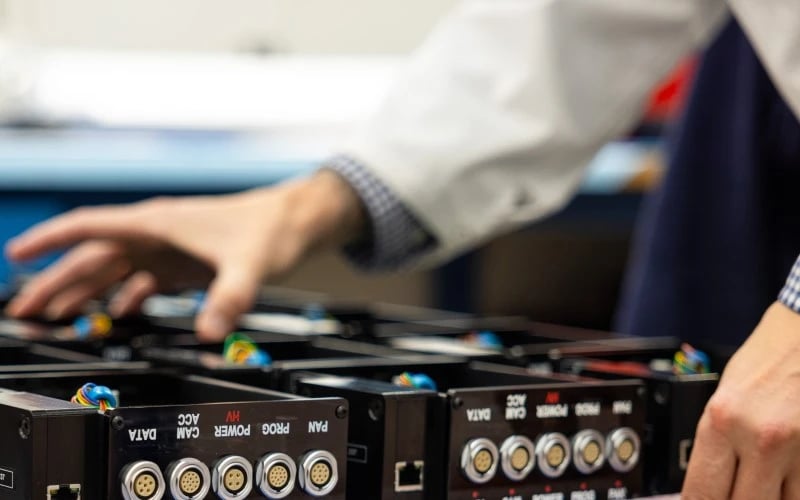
point(326, 399)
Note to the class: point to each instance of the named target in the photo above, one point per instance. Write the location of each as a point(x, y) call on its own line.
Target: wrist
point(326, 211)
point(772, 329)
point(781, 314)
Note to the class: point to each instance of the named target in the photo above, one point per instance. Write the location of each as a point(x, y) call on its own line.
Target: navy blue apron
point(717, 240)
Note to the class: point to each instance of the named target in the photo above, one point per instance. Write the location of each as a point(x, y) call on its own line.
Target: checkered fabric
point(395, 237)
point(790, 295)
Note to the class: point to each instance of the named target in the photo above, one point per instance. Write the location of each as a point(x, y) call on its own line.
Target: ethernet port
point(64, 492)
point(408, 476)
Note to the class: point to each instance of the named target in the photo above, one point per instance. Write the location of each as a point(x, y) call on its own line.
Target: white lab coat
point(493, 121)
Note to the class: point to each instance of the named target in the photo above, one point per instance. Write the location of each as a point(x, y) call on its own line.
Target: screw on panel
point(25, 428)
point(341, 411)
point(353, 330)
point(375, 410)
point(117, 423)
point(661, 395)
point(457, 403)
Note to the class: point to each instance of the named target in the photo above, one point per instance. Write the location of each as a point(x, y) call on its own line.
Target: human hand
point(748, 441)
point(234, 242)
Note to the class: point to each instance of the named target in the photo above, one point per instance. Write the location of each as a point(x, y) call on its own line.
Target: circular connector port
point(189, 479)
point(553, 454)
point(142, 480)
point(479, 460)
point(275, 475)
point(623, 447)
point(232, 478)
point(588, 451)
point(318, 473)
point(517, 457)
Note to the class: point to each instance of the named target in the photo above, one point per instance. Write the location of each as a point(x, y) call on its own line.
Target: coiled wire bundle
point(95, 396)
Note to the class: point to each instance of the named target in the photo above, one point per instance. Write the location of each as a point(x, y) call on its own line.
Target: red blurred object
point(669, 98)
point(631, 368)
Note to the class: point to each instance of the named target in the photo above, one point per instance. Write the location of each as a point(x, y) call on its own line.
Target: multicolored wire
point(690, 361)
point(92, 325)
point(95, 396)
point(415, 380)
point(239, 349)
point(483, 338)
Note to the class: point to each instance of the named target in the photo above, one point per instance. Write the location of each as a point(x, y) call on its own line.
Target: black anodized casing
point(394, 443)
point(674, 406)
point(496, 403)
point(477, 387)
point(164, 417)
point(47, 443)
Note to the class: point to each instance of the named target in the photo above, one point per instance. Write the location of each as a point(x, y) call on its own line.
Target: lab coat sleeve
point(494, 119)
point(773, 28)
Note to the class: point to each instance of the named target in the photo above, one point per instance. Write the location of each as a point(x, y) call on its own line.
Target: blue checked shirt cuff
point(395, 236)
point(790, 295)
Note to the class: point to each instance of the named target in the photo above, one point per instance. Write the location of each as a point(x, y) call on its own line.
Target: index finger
point(75, 226)
point(712, 467)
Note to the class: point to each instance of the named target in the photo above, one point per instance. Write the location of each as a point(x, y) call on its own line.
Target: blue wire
point(422, 381)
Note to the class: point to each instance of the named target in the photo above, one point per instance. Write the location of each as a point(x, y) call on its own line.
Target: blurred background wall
point(306, 26)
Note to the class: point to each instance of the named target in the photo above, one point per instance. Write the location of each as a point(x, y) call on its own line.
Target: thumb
point(232, 293)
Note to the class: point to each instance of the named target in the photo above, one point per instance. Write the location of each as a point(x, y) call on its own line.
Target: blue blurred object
point(422, 381)
point(484, 338)
point(141, 160)
point(200, 301)
point(489, 339)
point(259, 358)
point(314, 312)
point(415, 380)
